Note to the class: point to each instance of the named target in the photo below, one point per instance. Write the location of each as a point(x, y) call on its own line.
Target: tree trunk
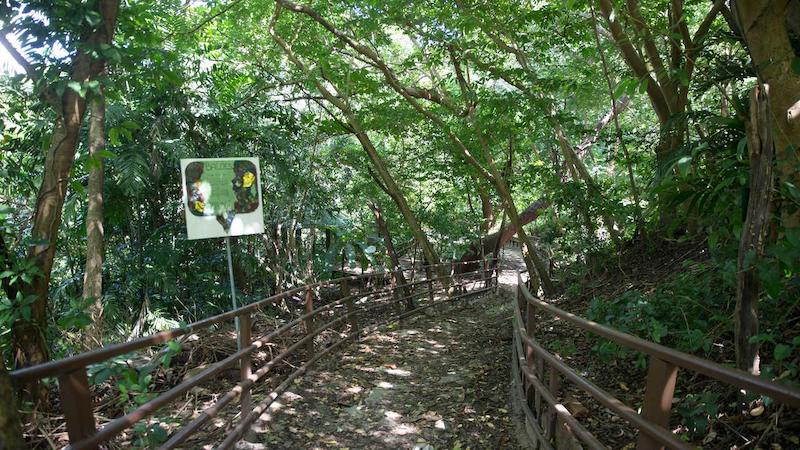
point(766, 26)
point(354, 126)
point(754, 231)
point(383, 229)
point(501, 237)
point(29, 336)
point(487, 210)
point(95, 243)
point(10, 429)
point(535, 265)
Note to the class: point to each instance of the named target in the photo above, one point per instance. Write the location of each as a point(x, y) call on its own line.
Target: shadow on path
point(435, 381)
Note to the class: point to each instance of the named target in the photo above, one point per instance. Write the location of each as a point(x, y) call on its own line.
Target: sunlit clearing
point(355, 389)
point(427, 350)
point(404, 429)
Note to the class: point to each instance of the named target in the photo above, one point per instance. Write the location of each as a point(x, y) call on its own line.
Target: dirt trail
point(435, 381)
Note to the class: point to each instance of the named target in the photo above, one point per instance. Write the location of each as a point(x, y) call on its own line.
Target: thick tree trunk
point(10, 429)
point(95, 242)
point(29, 336)
point(754, 232)
point(487, 210)
point(766, 26)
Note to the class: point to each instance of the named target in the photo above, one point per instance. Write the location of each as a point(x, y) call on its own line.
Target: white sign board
point(222, 197)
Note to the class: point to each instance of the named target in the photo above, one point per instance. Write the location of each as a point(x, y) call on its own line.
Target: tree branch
point(410, 94)
point(634, 61)
point(30, 71)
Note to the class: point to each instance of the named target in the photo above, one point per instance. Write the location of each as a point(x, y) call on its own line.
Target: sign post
point(222, 198)
point(233, 291)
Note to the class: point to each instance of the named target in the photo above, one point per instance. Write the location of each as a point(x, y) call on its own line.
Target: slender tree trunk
point(383, 229)
point(533, 262)
point(766, 26)
point(95, 241)
point(615, 115)
point(754, 232)
point(502, 236)
point(583, 174)
point(354, 126)
point(30, 341)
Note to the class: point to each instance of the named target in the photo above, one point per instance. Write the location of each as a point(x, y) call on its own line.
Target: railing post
point(309, 321)
point(517, 292)
point(428, 275)
point(245, 325)
point(76, 402)
point(393, 285)
point(661, 378)
point(554, 387)
point(407, 290)
point(530, 328)
point(344, 289)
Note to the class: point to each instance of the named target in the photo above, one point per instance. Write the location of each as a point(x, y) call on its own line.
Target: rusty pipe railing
point(653, 421)
point(74, 385)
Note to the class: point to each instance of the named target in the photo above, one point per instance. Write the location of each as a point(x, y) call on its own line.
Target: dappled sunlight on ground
point(433, 381)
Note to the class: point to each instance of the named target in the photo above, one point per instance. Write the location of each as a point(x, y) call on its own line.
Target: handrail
point(580, 432)
point(653, 420)
point(738, 378)
point(73, 381)
point(52, 368)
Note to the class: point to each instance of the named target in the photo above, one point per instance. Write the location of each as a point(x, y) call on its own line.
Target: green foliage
point(134, 383)
point(690, 312)
point(699, 412)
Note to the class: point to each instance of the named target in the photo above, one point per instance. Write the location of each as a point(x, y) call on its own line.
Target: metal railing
point(551, 424)
point(378, 293)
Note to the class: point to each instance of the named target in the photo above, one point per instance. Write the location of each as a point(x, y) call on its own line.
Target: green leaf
point(173, 346)
point(26, 313)
point(105, 153)
point(102, 375)
point(642, 87)
point(783, 351)
point(93, 18)
point(741, 147)
point(130, 125)
point(796, 66)
point(682, 76)
point(77, 87)
point(113, 136)
point(684, 164)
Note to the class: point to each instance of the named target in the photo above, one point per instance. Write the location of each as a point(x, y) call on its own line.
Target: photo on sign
point(222, 197)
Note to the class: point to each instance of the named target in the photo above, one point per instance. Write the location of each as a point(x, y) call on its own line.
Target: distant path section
point(434, 381)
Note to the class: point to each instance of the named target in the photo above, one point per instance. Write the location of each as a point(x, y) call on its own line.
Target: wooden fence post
point(309, 321)
point(554, 387)
point(530, 328)
point(245, 325)
point(76, 402)
point(428, 274)
point(344, 290)
point(661, 378)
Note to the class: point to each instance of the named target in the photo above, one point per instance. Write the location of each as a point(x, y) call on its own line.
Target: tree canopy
point(403, 130)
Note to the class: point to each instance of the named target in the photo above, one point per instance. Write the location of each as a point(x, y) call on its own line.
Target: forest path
point(434, 381)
